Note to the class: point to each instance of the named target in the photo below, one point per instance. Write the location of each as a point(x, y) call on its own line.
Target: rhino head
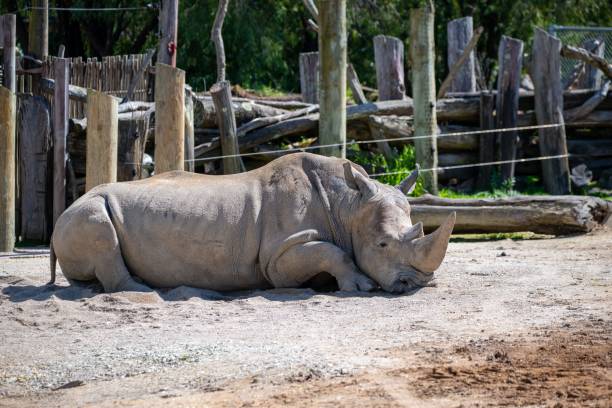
point(387, 246)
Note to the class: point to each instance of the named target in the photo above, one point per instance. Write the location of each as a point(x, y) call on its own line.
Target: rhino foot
point(356, 282)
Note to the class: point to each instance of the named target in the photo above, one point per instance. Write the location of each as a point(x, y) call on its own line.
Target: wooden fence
point(111, 75)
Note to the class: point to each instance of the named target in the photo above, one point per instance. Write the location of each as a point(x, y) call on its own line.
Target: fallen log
point(598, 118)
point(571, 98)
point(205, 116)
point(538, 214)
point(572, 115)
point(590, 147)
point(447, 110)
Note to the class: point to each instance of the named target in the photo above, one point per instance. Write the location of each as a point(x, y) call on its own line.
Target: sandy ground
point(510, 323)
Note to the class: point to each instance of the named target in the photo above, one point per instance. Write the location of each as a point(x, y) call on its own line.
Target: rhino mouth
point(410, 279)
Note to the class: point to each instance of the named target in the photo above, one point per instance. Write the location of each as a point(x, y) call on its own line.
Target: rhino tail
point(53, 260)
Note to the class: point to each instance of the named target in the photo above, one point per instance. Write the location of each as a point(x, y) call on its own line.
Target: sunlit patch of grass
point(268, 91)
point(498, 236)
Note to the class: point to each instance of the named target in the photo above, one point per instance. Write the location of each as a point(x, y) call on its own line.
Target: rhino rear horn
point(429, 251)
point(407, 185)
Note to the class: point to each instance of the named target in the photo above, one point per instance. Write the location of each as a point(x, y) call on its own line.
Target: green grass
point(268, 91)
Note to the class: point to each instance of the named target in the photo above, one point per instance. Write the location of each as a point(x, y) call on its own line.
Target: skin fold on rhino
point(276, 226)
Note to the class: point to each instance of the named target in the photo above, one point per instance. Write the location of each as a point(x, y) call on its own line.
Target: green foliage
point(263, 38)
point(400, 166)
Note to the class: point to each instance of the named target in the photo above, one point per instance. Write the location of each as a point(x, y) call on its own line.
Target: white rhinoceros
point(277, 226)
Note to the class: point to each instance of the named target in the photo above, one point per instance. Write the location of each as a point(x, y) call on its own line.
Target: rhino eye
point(382, 244)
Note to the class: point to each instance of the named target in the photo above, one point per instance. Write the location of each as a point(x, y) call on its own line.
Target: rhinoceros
point(277, 226)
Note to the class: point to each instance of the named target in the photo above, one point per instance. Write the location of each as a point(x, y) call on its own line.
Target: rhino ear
point(358, 181)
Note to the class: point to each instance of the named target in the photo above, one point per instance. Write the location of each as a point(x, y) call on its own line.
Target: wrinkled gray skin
point(277, 226)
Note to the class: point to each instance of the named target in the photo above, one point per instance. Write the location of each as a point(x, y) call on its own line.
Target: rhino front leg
point(301, 262)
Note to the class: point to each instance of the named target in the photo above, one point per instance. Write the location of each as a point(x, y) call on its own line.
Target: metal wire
point(395, 139)
point(85, 9)
point(463, 166)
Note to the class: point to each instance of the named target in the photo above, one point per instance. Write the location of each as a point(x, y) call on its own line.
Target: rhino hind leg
point(87, 248)
point(302, 262)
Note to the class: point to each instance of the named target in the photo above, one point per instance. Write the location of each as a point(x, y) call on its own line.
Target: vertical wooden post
point(355, 85)
point(34, 129)
point(508, 84)
point(168, 24)
point(102, 136)
point(60, 132)
point(309, 77)
point(424, 92)
point(38, 30)
point(7, 169)
point(222, 99)
point(169, 118)
point(486, 146)
point(591, 79)
point(389, 58)
point(189, 131)
point(332, 66)
point(459, 32)
point(9, 58)
point(548, 101)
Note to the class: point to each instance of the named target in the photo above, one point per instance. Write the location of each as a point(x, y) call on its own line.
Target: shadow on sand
point(17, 292)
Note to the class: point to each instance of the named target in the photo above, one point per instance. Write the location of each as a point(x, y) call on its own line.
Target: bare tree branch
point(217, 39)
point(583, 55)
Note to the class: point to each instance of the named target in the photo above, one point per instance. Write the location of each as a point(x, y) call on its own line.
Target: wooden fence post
point(168, 24)
point(486, 146)
point(7, 169)
point(508, 84)
point(189, 131)
point(7, 134)
point(459, 32)
point(34, 129)
point(60, 132)
point(169, 118)
point(591, 79)
point(102, 136)
point(38, 30)
point(332, 66)
point(309, 77)
point(422, 57)
point(221, 94)
point(38, 36)
point(549, 110)
point(9, 22)
point(389, 59)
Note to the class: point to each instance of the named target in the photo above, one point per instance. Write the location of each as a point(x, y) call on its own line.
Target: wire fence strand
point(395, 139)
point(463, 166)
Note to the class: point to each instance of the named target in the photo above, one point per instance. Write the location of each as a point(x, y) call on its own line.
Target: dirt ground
point(509, 323)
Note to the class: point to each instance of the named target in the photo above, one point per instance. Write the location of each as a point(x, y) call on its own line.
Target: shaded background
point(263, 38)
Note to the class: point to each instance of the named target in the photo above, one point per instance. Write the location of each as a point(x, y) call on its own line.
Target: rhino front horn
point(429, 251)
